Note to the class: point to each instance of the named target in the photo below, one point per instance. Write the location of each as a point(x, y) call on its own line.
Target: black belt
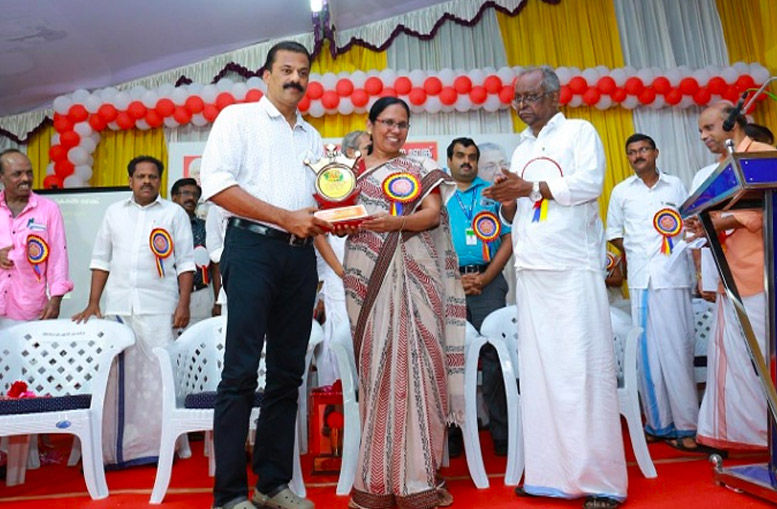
point(472, 269)
point(288, 238)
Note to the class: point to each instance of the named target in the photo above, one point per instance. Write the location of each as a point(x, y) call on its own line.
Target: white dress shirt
point(253, 146)
point(122, 248)
point(633, 205)
point(572, 236)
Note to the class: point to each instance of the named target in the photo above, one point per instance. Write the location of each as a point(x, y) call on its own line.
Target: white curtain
point(666, 34)
point(456, 47)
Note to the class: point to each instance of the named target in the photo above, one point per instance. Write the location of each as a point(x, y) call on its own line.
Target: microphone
point(728, 124)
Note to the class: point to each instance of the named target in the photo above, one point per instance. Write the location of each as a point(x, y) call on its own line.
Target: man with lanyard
point(33, 250)
point(186, 193)
point(571, 424)
point(643, 222)
point(142, 259)
point(483, 246)
point(253, 167)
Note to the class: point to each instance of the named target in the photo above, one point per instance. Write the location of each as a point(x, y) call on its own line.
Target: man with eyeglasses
point(572, 432)
point(643, 223)
point(186, 193)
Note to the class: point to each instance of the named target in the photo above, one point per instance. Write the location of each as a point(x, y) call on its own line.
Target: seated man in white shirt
point(143, 260)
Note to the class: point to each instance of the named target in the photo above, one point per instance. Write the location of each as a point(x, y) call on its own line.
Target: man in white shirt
point(572, 432)
point(643, 222)
point(142, 260)
point(253, 168)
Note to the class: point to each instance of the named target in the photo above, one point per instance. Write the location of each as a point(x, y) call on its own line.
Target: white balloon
point(165, 90)
point(729, 75)
point(358, 78)
point(170, 122)
point(506, 74)
point(604, 102)
point(630, 71)
point(90, 161)
point(563, 75)
point(149, 98)
point(79, 96)
point(95, 136)
point(630, 102)
point(374, 72)
point(137, 92)
point(492, 103)
point(83, 129)
point(685, 102)
point(741, 68)
point(416, 108)
point(463, 103)
point(239, 91)
point(122, 100)
point(433, 104)
point(209, 94)
point(55, 139)
point(619, 76)
point(658, 103)
point(760, 74)
point(603, 70)
point(62, 104)
point(447, 76)
point(224, 85)
point(673, 75)
point(345, 107)
point(73, 181)
point(77, 155)
point(255, 81)
point(476, 76)
point(313, 76)
point(330, 111)
point(329, 80)
point(93, 103)
point(179, 95)
point(108, 94)
point(646, 75)
point(50, 169)
point(316, 109)
point(447, 109)
point(489, 70)
point(417, 77)
point(142, 124)
point(576, 101)
point(591, 76)
point(113, 126)
point(83, 172)
point(88, 144)
point(195, 88)
point(701, 76)
point(199, 120)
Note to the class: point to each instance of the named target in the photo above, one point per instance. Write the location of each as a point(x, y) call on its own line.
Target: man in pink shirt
point(33, 250)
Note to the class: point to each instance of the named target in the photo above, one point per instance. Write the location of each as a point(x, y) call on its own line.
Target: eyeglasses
point(641, 151)
point(193, 194)
point(391, 124)
point(528, 99)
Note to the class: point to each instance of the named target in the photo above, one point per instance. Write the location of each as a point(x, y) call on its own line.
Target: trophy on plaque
point(336, 191)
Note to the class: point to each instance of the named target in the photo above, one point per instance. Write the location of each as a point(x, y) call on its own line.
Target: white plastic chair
point(501, 330)
point(703, 317)
point(192, 365)
point(69, 362)
point(316, 338)
point(342, 346)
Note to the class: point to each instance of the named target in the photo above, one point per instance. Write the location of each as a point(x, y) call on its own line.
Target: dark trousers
point(270, 286)
point(478, 308)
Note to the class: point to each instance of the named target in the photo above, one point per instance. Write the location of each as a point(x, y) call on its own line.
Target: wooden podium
point(747, 180)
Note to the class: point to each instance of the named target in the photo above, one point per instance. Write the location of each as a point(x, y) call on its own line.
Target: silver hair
point(549, 78)
point(351, 140)
point(490, 146)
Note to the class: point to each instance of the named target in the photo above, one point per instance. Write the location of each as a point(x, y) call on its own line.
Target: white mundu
point(660, 302)
point(572, 432)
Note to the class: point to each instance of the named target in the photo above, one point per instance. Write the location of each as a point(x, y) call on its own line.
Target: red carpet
point(684, 480)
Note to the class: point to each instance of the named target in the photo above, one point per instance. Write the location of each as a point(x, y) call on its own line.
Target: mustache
point(639, 161)
point(294, 85)
point(465, 166)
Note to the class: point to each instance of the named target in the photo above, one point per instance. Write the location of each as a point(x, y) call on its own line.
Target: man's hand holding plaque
point(336, 190)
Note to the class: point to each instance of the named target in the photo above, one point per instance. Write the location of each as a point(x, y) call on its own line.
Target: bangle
point(402, 226)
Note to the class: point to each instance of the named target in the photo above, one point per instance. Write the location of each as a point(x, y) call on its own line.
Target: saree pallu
point(408, 316)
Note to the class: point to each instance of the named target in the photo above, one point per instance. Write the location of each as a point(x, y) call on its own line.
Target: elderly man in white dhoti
point(572, 433)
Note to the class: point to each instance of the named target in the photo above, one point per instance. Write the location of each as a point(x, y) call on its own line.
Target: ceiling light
point(316, 5)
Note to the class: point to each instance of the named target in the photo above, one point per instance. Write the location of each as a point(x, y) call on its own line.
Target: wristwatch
point(535, 194)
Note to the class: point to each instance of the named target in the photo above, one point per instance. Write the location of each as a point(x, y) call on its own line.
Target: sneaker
point(281, 498)
point(244, 504)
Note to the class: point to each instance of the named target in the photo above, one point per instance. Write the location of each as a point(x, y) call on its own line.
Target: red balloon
point(688, 86)
point(591, 96)
point(69, 139)
point(478, 95)
point(344, 87)
point(360, 98)
point(417, 96)
point(64, 168)
point(717, 85)
point(647, 96)
point(136, 110)
point(254, 95)
point(224, 99)
point(210, 112)
point(153, 118)
point(330, 100)
point(124, 120)
point(745, 82)
point(194, 104)
point(731, 94)
point(62, 123)
point(403, 85)
point(315, 90)
point(165, 107)
point(388, 92)
point(433, 85)
point(462, 84)
point(619, 95)
point(373, 85)
point(634, 86)
point(578, 85)
point(52, 182)
point(606, 85)
point(673, 97)
point(492, 84)
point(448, 96)
point(564, 95)
point(304, 104)
point(57, 153)
point(702, 96)
point(108, 112)
point(97, 122)
point(661, 85)
point(506, 94)
point(182, 115)
point(77, 113)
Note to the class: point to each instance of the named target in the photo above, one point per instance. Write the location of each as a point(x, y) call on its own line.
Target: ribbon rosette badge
point(611, 260)
point(37, 253)
point(487, 229)
point(401, 188)
point(161, 244)
point(668, 223)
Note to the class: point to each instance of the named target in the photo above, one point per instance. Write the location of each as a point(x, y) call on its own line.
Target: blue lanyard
point(468, 215)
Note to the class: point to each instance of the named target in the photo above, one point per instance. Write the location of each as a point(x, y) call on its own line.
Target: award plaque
point(336, 191)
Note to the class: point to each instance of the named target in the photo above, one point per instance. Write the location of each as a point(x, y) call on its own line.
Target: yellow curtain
point(749, 31)
point(580, 34)
point(38, 146)
point(357, 58)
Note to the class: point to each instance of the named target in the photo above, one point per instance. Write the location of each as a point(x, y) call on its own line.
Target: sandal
point(600, 503)
point(678, 444)
point(444, 497)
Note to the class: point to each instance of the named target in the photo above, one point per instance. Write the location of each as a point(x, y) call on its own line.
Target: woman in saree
point(408, 315)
